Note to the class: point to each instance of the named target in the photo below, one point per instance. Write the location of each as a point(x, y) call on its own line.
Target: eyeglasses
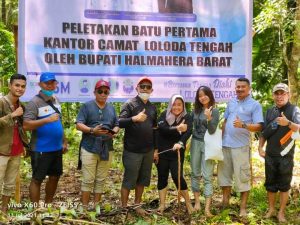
point(145, 86)
point(102, 92)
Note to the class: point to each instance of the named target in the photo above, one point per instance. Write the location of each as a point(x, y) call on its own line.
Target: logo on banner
point(128, 86)
point(114, 85)
point(84, 85)
point(32, 83)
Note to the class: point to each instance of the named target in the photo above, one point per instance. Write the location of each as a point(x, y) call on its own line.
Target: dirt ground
point(67, 199)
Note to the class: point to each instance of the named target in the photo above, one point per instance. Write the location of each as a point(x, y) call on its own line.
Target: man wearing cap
point(12, 137)
point(98, 122)
point(138, 116)
point(280, 122)
point(42, 117)
point(242, 115)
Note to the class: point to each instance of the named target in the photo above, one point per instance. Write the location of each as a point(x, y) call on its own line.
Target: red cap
point(144, 79)
point(102, 83)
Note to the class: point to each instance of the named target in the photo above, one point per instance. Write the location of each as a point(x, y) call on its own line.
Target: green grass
point(257, 204)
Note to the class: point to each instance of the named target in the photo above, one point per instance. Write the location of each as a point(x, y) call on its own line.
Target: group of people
point(41, 116)
point(149, 138)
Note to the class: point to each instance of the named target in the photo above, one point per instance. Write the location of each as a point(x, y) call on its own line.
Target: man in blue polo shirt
point(98, 122)
point(42, 117)
point(242, 116)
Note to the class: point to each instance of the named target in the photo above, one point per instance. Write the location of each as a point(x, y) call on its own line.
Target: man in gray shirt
point(42, 117)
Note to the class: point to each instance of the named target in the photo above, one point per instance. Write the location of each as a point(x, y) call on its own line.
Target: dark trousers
point(279, 173)
point(163, 168)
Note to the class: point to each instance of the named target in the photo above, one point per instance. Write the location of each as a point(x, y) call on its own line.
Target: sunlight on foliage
point(7, 57)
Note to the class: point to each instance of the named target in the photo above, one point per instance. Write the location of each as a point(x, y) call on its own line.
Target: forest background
point(275, 58)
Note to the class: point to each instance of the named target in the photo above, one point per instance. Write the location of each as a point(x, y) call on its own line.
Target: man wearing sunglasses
point(138, 116)
point(98, 122)
point(42, 117)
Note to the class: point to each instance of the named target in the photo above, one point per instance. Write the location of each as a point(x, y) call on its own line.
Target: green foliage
point(141, 222)
point(68, 212)
point(73, 136)
point(69, 112)
point(258, 200)
point(274, 24)
point(11, 13)
point(26, 168)
point(273, 14)
point(107, 207)
point(7, 57)
point(223, 217)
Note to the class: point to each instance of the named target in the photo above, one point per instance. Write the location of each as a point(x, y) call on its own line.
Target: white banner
point(180, 44)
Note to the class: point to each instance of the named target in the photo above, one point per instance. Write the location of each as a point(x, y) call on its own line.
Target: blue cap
point(47, 76)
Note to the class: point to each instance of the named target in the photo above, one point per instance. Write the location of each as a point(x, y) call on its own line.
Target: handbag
point(213, 145)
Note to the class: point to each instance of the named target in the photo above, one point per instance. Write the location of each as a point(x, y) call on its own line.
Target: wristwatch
point(91, 130)
point(244, 125)
point(289, 123)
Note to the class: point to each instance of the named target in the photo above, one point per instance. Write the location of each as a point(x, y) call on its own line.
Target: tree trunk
point(3, 11)
point(293, 63)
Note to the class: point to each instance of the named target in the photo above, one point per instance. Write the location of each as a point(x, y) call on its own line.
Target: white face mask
point(144, 96)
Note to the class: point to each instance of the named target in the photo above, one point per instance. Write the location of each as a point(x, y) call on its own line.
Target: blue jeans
point(201, 167)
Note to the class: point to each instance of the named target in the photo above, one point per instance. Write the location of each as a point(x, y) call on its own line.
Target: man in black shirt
point(281, 121)
point(138, 116)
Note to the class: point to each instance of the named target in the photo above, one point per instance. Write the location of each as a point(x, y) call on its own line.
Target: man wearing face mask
point(42, 117)
point(138, 116)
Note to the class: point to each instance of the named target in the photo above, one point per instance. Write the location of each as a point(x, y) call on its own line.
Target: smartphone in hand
point(108, 129)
